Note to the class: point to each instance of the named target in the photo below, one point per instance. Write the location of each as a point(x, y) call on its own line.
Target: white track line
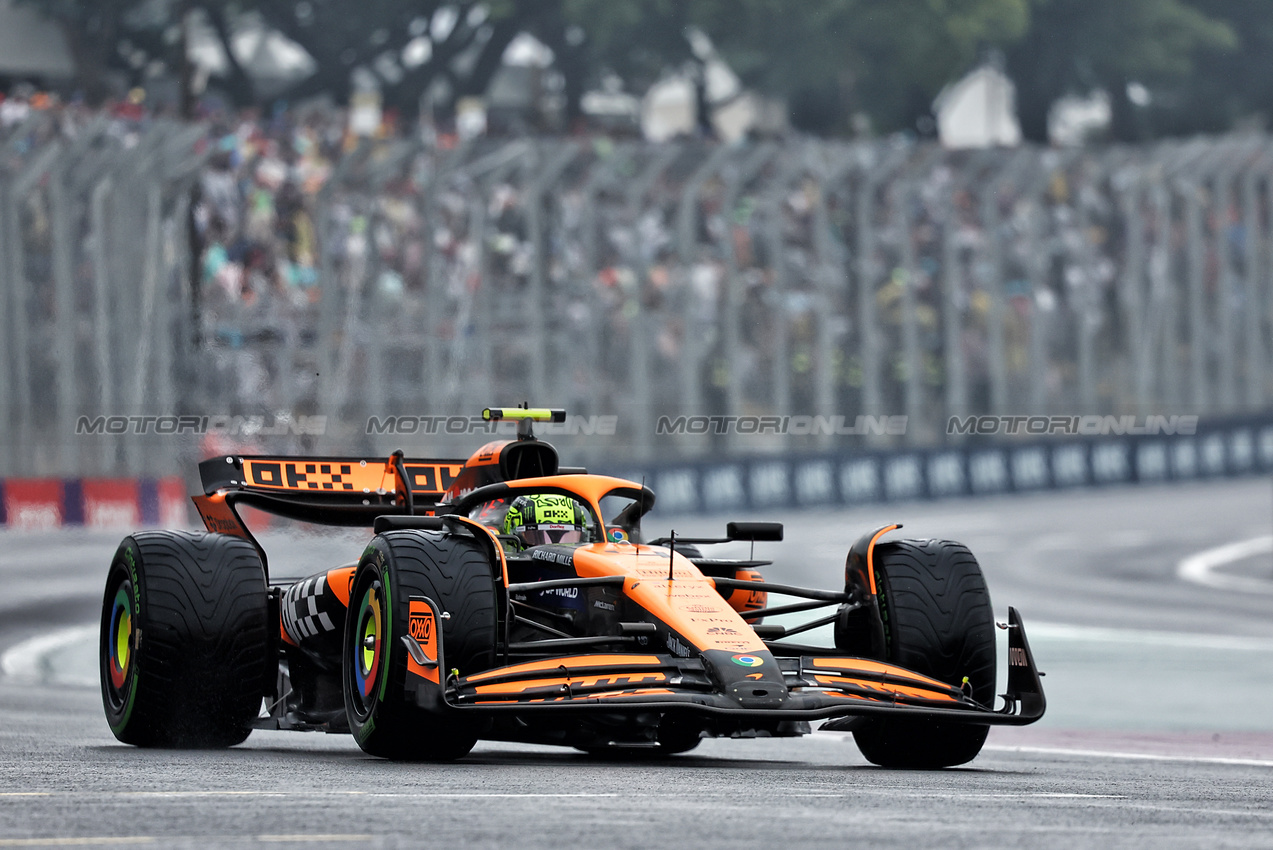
point(82, 841)
point(1047, 632)
point(1088, 753)
point(1107, 754)
point(29, 661)
point(1201, 568)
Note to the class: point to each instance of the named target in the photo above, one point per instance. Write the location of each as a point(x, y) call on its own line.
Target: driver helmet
point(541, 518)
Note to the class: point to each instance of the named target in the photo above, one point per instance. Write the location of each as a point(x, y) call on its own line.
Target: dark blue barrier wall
point(1219, 448)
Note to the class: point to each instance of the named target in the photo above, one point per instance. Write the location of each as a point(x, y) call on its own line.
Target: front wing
point(814, 686)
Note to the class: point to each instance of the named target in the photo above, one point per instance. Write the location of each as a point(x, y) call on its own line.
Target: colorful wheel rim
point(121, 636)
point(367, 652)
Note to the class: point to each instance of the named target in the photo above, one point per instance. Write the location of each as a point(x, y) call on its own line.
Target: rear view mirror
point(753, 531)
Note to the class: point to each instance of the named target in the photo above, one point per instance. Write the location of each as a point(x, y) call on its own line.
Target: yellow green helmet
point(541, 518)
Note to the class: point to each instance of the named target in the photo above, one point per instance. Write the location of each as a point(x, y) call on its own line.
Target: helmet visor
point(538, 535)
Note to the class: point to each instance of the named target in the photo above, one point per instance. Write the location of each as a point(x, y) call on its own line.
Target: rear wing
point(340, 491)
point(354, 491)
point(334, 480)
point(343, 491)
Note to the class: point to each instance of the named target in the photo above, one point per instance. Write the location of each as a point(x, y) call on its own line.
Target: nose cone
point(759, 694)
point(754, 679)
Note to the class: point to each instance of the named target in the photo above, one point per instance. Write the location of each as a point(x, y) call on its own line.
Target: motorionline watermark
point(232, 425)
point(574, 426)
point(796, 425)
point(1093, 425)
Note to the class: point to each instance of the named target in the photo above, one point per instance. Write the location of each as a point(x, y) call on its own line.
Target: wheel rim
point(369, 636)
point(120, 641)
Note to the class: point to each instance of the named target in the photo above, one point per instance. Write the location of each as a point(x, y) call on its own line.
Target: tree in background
point(407, 45)
point(1229, 85)
point(880, 58)
point(828, 59)
point(122, 36)
point(1194, 65)
point(1122, 48)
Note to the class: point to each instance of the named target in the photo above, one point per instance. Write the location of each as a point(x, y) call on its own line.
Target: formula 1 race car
point(504, 597)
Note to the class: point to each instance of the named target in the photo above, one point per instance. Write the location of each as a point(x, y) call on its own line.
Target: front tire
point(938, 621)
point(453, 571)
point(184, 640)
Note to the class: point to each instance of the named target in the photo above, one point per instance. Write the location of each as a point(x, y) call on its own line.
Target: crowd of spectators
point(657, 276)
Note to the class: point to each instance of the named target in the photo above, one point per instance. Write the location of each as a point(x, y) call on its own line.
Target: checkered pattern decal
point(305, 609)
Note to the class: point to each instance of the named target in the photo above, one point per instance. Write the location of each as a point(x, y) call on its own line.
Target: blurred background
point(276, 225)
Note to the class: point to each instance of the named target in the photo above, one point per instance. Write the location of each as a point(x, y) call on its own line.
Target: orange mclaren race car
point(507, 598)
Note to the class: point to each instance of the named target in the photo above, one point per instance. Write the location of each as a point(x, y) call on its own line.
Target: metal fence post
point(877, 168)
point(903, 196)
point(774, 203)
point(550, 171)
point(1265, 305)
point(732, 292)
point(953, 301)
point(1128, 188)
point(432, 184)
point(334, 292)
point(1221, 211)
point(1171, 271)
point(699, 337)
point(9, 313)
point(60, 223)
point(104, 351)
point(1254, 281)
point(25, 397)
point(1090, 314)
point(867, 271)
point(644, 333)
point(376, 328)
point(1043, 303)
point(143, 368)
point(590, 261)
point(995, 314)
point(831, 282)
point(1199, 394)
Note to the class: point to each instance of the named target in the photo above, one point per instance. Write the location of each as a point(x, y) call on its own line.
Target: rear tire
point(456, 573)
point(184, 640)
point(937, 621)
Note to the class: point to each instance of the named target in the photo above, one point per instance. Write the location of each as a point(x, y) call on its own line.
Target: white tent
point(978, 111)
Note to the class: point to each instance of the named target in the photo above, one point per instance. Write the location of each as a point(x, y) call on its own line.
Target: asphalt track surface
point(1158, 733)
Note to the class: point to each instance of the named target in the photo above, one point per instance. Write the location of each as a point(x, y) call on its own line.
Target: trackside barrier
point(34, 504)
point(1218, 449)
point(406, 280)
point(1229, 448)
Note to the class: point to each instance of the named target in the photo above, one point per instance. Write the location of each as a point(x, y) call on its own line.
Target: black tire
point(937, 621)
point(184, 648)
point(456, 573)
point(678, 734)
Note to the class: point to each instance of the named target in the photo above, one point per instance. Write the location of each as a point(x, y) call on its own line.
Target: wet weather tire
point(937, 621)
point(455, 572)
point(184, 642)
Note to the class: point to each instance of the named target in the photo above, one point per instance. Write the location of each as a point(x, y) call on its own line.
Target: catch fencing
point(836, 285)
